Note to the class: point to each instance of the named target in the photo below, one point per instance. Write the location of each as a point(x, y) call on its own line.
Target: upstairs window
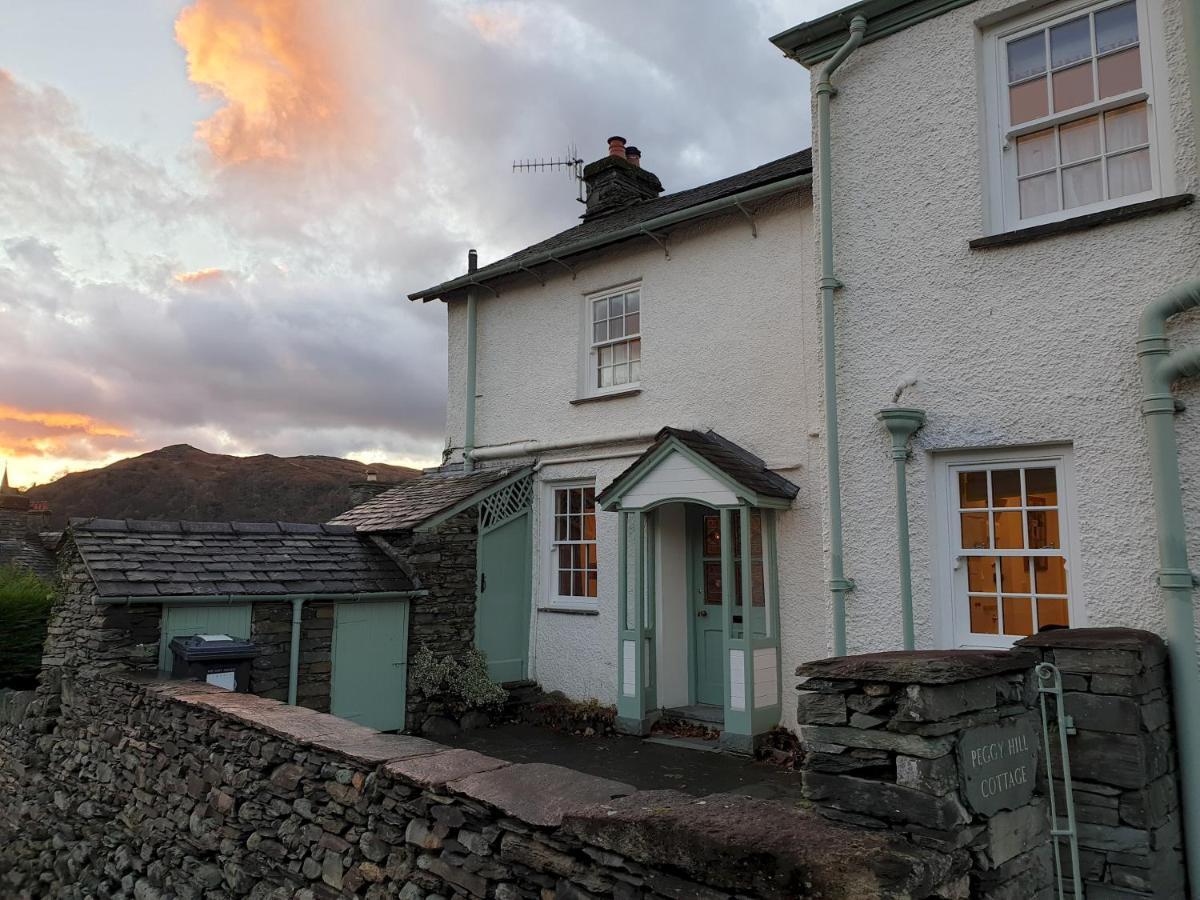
point(1074, 114)
point(615, 359)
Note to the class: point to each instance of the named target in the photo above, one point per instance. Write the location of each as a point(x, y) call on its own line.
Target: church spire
point(4, 488)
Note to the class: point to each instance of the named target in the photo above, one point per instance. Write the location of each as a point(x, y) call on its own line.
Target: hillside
point(181, 482)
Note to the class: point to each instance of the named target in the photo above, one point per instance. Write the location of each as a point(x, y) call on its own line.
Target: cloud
point(198, 276)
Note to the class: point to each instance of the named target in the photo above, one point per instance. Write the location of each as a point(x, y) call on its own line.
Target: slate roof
point(419, 499)
point(128, 557)
point(30, 553)
point(737, 462)
point(614, 222)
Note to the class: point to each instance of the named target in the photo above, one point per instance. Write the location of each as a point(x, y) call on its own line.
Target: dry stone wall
point(158, 790)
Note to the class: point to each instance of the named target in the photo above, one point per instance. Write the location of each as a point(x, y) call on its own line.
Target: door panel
point(370, 664)
point(178, 621)
point(708, 638)
point(503, 598)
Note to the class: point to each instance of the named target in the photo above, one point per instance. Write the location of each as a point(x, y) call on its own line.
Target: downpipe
point(839, 584)
point(1160, 368)
point(472, 341)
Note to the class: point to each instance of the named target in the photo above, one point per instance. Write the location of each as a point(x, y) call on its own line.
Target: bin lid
point(196, 647)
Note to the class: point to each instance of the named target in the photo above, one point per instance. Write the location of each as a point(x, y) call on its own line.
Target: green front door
point(708, 638)
point(503, 598)
point(370, 664)
point(181, 621)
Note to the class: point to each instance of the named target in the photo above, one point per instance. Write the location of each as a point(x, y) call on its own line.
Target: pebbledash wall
point(727, 343)
point(1031, 344)
point(128, 786)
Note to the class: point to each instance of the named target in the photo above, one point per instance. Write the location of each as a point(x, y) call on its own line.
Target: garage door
point(178, 621)
point(370, 664)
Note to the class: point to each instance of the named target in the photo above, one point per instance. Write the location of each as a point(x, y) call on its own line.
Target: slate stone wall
point(271, 631)
point(1123, 762)
point(443, 561)
point(158, 790)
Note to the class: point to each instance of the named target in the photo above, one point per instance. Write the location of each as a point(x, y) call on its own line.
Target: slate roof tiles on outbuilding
point(417, 500)
point(133, 558)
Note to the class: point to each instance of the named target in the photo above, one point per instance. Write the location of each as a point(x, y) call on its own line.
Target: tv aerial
point(570, 162)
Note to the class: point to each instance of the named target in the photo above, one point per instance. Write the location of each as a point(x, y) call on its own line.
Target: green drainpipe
point(839, 584)
point(1160, 369)
point(472, 337)
point(294, 658)
point(902, 424)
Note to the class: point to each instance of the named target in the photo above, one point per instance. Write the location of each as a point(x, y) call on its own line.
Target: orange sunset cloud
point(199, 275)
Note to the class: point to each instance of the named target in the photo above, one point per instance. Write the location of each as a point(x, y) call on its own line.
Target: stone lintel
point(539, 793)
point(918, 666)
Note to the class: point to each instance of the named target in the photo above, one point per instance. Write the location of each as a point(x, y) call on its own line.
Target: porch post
point(633, 659)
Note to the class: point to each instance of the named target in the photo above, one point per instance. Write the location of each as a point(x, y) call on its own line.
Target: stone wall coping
point(439, 769)
point(918, 666)
point(540, 793)
point(1131, 639)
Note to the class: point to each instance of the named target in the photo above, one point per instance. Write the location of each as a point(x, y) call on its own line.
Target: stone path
point(647, 766)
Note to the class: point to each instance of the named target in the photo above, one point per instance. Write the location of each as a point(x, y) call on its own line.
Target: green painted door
point(178, 621)
point(503, 597)
point(370, 664)
point(708, 639)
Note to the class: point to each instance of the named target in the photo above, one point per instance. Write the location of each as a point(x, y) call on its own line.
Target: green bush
point(25, 601)
point(460, 684)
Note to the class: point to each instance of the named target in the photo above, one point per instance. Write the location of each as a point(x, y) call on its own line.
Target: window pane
point(606, 356)
point(620, 374)
point(616, 328)
point(573, 498)
point(632, 301)
point(1043, 530)
point(972, 490)
point(1035, 152)
point(591, 556)
point(589, 498)
point(616, 306)
point(564, 558)
point(577, 585)
point(589, 527)
point(1126, 127)
point(633, 323)
point(975, 531)
point(560, 528)
point(591, 585)
point(1050, 573)
point(1039, 195)
point(560, 501)
point(1026, 57)
point(564, 584)
point(712, 584)
point(1116, 27)
point(1070, 42)
point(1052, 611)
point(600, 332)
point(1006, 487)
point(1082, 185)
point(1080, 140)
point(1073, 87)
point(599, 310)
point(620, 353)
point(1027, 101)
point(1009, 533)
point(1041, 487)
point(1129, 173)
point(606, 377)
point(981, 574)
point(1120, 72)
point(1018, 616)
point(575, 528)
point(984, 619)
point(1014, 574)
point(635, 349)
point(635, 371)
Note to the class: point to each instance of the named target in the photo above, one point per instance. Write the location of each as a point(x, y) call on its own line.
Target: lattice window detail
point(498, 508)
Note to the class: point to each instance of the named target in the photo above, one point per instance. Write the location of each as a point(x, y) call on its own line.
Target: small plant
point(584, 717)
point(25, 602)
point(462, 682)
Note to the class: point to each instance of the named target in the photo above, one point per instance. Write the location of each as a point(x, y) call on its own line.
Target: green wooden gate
point(178, 621)
point(369, 683)
point(504, 584)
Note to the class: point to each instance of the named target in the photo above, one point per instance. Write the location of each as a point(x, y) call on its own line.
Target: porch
point(698, 587)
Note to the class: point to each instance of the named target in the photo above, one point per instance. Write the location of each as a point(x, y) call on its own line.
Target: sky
point(211, 212)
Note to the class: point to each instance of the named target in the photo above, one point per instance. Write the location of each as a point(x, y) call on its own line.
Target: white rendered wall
point(728, 329)
point(1013, 346)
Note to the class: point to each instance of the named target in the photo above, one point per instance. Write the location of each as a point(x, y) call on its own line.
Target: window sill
point(613, 395)
point(570, 610)
point(1082, 223)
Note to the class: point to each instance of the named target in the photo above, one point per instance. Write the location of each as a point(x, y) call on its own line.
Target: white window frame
point(1003, 203)
point(549, 548)
point(953, 615)
point(589, 382)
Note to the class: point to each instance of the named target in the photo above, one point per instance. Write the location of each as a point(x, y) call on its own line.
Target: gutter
point(1160, 368)
point(839, 584)
point(297, 601)
point(533, 448)
point(639, 229)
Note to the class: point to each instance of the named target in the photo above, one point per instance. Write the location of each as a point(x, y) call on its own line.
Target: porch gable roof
point(746, 476)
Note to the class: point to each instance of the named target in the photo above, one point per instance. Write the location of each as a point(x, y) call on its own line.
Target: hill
point(181, 482)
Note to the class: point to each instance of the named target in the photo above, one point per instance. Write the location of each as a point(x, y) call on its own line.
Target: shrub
point(461, 683)
point(25, 601)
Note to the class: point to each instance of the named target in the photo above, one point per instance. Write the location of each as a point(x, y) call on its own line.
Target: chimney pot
point(616, 146)
point(371, 476)
point(634, 155)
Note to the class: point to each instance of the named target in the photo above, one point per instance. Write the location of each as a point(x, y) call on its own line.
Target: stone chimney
point(362, 491)
point(14, 517)
point(617, 180)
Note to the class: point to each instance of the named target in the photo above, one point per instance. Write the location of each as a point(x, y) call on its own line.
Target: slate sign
point(998, 765)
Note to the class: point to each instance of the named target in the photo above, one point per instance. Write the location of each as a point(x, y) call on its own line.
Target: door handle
point(702, 614)
point(482, 582)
